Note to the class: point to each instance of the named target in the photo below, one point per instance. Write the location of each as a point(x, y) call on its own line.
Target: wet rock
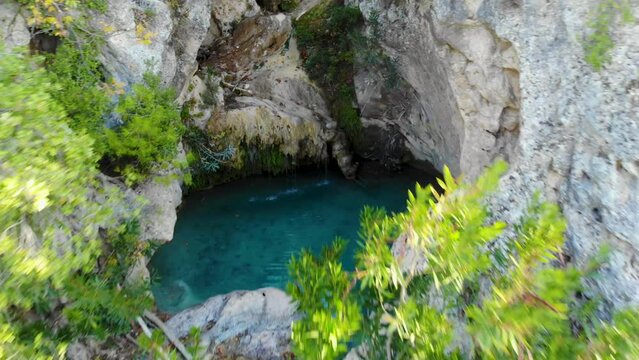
point(246, 324)
point(282, 107)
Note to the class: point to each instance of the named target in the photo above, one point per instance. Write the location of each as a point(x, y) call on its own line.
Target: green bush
point(60, 17)
point(332, 319)
point(411, 301)
point(150, 131)
point(151, 123)
point(349, 119)
point(51, 292)
point(272, 159)
point(81, 89)
point(332, 43)
point(289, 5)
point(325, 36)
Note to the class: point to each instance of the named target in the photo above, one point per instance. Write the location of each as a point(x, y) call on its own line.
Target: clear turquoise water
point(242, 235)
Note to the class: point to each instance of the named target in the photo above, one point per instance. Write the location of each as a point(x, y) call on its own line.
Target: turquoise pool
point(242, 235)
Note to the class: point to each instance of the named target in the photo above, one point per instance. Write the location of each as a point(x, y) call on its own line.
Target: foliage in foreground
point(52, 288)
point(407, 305)
point(64, 255)
point(78, 74)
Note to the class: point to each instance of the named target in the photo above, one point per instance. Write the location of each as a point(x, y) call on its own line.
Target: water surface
point(241, 236)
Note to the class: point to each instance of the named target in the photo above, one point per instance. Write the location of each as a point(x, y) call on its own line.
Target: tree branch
point(169, 334)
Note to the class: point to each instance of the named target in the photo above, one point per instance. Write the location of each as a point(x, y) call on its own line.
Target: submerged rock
point(245, 324)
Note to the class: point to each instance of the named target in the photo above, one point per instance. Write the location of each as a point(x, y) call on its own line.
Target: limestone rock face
point(579, 139)
point(125, 55)
point(193, 23)
point(459, 82)
point(152, 36)
point(149, 35)
point(486, 79)
point(279, 106)
point(282, 81)
point(163, 194)
point(159, 216)
point(13, 26)
point(253, 39)
point(242, 324)
point(228, 13)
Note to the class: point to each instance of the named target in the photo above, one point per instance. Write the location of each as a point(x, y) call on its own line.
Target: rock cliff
point(265, 97)
point(478, 80)
point(488, 79)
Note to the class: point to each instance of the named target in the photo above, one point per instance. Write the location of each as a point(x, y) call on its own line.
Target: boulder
point(242, 324)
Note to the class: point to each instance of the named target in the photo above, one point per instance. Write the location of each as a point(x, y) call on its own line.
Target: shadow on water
point(242, 235)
